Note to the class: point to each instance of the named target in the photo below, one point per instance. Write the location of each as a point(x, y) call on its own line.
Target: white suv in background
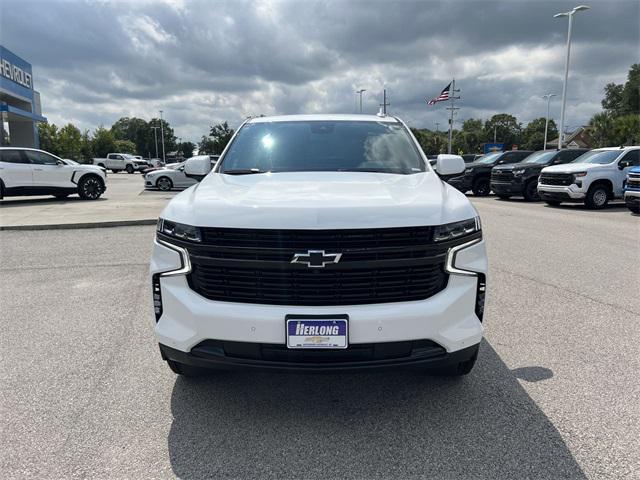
point(593, 178)
point(320, 242)
point(28, 171)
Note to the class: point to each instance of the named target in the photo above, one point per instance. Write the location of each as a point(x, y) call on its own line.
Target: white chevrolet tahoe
point(593, 178)
point(320, 242)
point(29, 171)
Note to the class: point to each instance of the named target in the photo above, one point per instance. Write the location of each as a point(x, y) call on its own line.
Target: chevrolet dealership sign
point(15, 73)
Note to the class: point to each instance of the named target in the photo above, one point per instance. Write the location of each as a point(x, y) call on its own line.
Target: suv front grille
point(377, 265)
point(502, 176)
point(633, 180)
point(564, 179)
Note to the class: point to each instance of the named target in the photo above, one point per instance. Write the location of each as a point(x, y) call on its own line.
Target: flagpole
point(451, 97)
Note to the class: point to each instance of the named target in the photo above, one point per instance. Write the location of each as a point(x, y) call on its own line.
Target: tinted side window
point(633, 156)
point(571, 155)
point(41, 158)
point(12, 156)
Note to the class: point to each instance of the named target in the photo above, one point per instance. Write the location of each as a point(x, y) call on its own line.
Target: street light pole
point(155, 135)
point(360, 92)
point(548, 97)
point(162, 135)
point(566, 68)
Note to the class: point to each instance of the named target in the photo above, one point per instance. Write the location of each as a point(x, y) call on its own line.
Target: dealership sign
point(15, 73)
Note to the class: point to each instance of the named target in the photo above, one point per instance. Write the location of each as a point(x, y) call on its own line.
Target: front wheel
point(481, 187)
point(597, 197)
point(129, 169)
point(531, 191)
point(634, 209)
point(90, 188)
point(164, 183)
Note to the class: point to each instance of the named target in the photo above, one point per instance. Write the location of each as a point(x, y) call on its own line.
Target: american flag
point(444, 96)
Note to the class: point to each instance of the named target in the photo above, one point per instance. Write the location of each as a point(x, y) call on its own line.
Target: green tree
point(135, 130)
point(470, 138)
point(601, 128)
point(219, 136)
point(533, 134)
point(623, 99)
point(103, 142)
point(186, 148)
point(48, 135)
point(626, 130)
point(125, 146)
point(70, 142)
point(85, 148)
point(506, 127)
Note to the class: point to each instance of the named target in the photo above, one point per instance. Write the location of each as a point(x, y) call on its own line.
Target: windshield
point(489, 158)
point(594, 156)
point(540, 158)
point(322, 146)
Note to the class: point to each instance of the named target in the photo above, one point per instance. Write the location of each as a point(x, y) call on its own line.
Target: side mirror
point(449, 164)
point(197, 167)
point(60, 163)
point(624, 164)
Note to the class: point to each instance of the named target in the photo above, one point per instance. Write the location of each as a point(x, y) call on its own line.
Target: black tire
point(481, 187)
point(635, 210)
point(552, 203)
point(129, 169)
point(61, 196)
point(90, 187)
point(457, 369)
point(597, 197)
point(531, 191)
point(504, 197)
point(164, 183)
point(186, 370)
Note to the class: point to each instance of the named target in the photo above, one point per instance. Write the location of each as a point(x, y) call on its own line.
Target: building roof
point(579, 138)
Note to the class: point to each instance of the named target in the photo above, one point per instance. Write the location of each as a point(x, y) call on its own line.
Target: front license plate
point(317, 332)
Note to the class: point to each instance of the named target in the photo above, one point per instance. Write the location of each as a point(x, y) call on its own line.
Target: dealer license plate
point(317, 332)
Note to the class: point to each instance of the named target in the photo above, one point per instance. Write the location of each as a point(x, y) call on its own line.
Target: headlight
point(519, 172)
point(579, 174)
point(179, 230)
point(456, 229)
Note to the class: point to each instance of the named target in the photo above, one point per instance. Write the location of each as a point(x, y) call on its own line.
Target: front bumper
point(560, 193)
point(449, 318)
point(507, 188)
point(255, 356)
point(632, 198)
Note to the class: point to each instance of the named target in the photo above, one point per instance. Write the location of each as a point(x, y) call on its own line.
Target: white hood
point(319, 200)
point(572, 167)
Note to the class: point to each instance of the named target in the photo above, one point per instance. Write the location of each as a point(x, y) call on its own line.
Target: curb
point(65, 226)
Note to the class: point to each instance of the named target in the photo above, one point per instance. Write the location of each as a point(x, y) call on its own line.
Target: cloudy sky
point(207, 61)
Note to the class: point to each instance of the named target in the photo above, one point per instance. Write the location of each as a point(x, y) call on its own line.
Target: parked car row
point(593, 177)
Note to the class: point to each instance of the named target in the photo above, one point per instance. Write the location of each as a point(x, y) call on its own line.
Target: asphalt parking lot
point(554, 394)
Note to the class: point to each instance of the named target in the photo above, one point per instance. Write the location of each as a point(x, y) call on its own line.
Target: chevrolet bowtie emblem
point(316, 258)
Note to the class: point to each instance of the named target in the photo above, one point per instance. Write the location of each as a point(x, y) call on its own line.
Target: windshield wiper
point(245, 171)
